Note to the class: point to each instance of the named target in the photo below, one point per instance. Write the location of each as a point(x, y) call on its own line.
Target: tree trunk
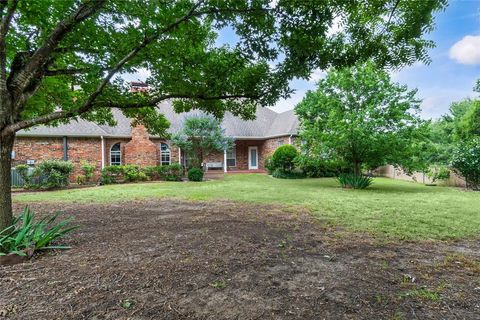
point(6, 147)
point(356, 168)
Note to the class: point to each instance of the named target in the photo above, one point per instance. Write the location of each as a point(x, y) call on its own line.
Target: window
point(164, 154)
point(115, 155)
point(280, 142)
point(231, 158)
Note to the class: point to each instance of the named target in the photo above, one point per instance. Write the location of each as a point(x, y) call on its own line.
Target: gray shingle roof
point(268, 123)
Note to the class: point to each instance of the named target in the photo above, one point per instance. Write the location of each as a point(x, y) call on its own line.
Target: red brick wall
point(40, 149)
point(140, 150)
point(272, 144)
point(37, 149)
point(85, 149)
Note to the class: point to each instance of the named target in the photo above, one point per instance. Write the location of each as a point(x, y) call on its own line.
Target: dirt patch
point(184, 260)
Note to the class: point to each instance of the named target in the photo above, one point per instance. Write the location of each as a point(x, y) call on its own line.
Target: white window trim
point(169, 154)
point(119, 153)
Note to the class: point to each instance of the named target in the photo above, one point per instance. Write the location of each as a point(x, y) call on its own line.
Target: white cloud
point(467, 50)
point(316, 75)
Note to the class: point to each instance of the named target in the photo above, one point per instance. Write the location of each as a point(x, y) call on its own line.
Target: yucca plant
point(27, 234)
point(350, 180)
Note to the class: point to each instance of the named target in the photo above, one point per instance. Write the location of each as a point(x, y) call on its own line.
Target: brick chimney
point(140, 150)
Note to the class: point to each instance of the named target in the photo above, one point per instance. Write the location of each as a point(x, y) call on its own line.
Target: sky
point(449, 77)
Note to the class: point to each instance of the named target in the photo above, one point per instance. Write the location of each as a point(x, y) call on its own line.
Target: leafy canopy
point(358, 116)
point(87, 45)
point(200, 136)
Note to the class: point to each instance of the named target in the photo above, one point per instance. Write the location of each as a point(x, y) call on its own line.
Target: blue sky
point(449, 77)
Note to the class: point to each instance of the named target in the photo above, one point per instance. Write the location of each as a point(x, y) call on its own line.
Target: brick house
point(104, 145)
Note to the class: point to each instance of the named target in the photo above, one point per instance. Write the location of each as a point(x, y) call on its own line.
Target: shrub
point(133, 173)
point(195, 174)
point(81, 179)
point(23, 172)
point(283, 158)
point(350, 180)
point(438, 173)
point(172, 172)
point(466, 160)
point(152, 173)
point(112, 174)
point(268, 163)
point(279, 173)
point(56, 173)
point(88, 170)
point(26, 234)
point(318, 168)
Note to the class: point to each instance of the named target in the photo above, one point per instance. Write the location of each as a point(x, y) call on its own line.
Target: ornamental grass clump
point(354, 181)
point(28, 234)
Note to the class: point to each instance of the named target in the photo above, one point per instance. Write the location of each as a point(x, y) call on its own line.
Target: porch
point(247, 156)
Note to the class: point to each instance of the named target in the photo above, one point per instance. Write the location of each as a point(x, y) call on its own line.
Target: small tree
point(200, 136)
point(359, 116)
point(466, 160)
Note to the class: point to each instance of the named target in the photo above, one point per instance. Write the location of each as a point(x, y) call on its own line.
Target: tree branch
point(4, 27)
point(91, 99)
point(395, 6)
point(59, 72)
point(21, 79)
point(107, 104)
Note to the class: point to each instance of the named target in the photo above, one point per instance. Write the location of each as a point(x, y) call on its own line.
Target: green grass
point(389, 207)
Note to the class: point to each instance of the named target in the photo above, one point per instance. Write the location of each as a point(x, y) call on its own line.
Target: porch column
point(179, 156)
point(225, 160)
point(102, 141)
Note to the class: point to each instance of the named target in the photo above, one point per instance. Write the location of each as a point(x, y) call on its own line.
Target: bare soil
point(196, 260)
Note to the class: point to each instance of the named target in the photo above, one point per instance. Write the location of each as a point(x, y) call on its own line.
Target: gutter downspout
point(290, 139)
point(179, 156)
point(65, 148)
point(103, 151)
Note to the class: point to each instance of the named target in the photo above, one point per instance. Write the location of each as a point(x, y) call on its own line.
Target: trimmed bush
point(319, 168)
point(112, 174)
point(279, 173)
point(56, 173)
point(172, 172)
point(132, 173)
point(195, 174)
point(350, 180)
point(284, 158)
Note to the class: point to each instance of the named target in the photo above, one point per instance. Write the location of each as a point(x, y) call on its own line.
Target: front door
point(252, 158)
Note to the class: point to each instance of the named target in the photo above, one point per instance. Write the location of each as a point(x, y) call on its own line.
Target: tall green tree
point(48, 48)
point(358, 116)
point(200, 136)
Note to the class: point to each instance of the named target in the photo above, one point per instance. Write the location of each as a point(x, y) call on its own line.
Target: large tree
point(359, 116)
point(61, 60)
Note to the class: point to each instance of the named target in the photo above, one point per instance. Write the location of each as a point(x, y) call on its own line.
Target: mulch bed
point(195, 260)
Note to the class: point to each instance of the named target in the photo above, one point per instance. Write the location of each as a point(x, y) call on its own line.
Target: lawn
point(391, 208)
